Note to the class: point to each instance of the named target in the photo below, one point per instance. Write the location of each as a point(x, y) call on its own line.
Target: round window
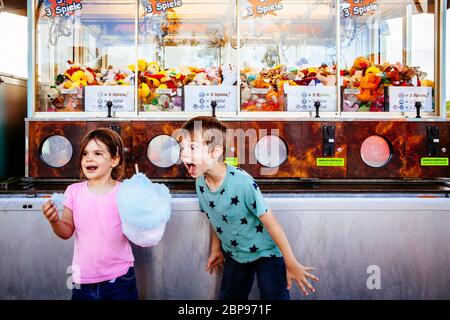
point(376, 152)
point(271, 151)
point(56, 151)
point(163, 151)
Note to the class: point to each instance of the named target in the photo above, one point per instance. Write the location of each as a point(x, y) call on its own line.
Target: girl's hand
point(50, 212)
point(299, 274)
point(215, 262)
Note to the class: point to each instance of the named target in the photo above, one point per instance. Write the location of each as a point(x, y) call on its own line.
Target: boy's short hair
point(213, 131)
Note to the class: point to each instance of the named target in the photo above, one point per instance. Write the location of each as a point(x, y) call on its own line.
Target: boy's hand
point(299, 274)
point(50, 212)
point(215, 262)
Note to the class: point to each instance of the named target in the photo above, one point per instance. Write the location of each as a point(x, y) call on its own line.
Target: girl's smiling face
point(96, 161)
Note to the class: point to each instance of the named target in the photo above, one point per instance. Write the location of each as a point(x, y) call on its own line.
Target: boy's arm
point(63, 227)
point(295, 271)
point(215, 259)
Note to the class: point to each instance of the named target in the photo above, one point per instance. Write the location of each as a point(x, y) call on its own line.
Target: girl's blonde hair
point(113, 142)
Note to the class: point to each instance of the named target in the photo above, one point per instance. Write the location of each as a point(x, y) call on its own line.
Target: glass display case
point(83, 53)
point(387, 55)
point(287, 57)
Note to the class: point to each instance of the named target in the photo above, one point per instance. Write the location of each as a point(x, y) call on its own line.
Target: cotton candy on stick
point(144, 209)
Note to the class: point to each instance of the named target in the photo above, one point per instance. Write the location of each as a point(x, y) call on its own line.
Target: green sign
point(330, 162)
point(435, 162)
point(231, 161)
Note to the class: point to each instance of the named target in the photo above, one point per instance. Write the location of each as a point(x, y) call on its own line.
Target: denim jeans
point(237, 279)
point(123, 288)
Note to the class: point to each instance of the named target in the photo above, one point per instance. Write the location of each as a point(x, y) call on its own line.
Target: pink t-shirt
point(101, 251)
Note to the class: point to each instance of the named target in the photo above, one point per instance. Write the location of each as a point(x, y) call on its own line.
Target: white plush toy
point(229, 74)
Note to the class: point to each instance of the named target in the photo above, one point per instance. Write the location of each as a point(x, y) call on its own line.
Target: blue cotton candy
point(58, 200)
point(144, 208)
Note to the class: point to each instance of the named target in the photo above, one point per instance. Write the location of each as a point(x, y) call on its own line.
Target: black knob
point(109, 105)
point(213, 107)
point(418, 106)
point(317, 106)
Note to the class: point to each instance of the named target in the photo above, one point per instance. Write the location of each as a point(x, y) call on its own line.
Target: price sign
point(96, 97)
point(403, 99)
point(302, 98)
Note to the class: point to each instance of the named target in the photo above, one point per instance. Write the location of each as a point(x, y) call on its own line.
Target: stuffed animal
point(228, 74)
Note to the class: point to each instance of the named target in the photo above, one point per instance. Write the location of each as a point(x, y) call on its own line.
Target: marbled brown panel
point(39, 131)
point(126, 133)
point(312, 148)
point(393, 131)
point(289, 132)
point(416, 149)
point(144, 132)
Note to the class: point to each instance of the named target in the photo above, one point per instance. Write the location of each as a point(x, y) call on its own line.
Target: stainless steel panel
point(406, 239)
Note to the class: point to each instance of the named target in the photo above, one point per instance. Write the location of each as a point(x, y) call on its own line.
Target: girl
point(102, 260)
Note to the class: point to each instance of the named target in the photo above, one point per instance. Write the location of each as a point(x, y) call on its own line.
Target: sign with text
point(259, 8)
point(198, 98)
point(434, 162)
point(302, 98)
point(96, 97)
point(403, 99)
point(359, 8)
point(161, 6)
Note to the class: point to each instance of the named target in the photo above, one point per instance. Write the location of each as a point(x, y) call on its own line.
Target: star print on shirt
point(232, 173)
point(243, 221)
point(211, 204)
point(273, 255)
point(235, 200)
point(207, 215)
point(221, 192)
point(254, 205)
point(259, 228)
point(219, 230)
point(234, 243)
point(224, 218)
point(229, 253)
point(202, 190)
point(255, 186)
point(254, 248)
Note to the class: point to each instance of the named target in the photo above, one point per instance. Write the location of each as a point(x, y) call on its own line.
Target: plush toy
point(369, 85)
point(228, 74)
point(51, 94)
point(360, 64)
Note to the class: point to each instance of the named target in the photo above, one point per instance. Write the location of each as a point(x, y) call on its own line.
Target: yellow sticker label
point(330, 162)
point(231, 161)
point(434, 162)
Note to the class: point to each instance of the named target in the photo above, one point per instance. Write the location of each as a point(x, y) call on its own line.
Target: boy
point(244, 232)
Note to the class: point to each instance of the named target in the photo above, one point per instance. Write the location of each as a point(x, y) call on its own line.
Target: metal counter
point(396, 242)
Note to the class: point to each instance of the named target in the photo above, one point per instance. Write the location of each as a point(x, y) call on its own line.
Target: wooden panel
point(393, 131)
point(312, 148)
point(416, 149)
point(126, 133)
point(39, 131)
point(289, 132)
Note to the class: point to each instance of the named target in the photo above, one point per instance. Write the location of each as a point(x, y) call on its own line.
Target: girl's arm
point(295, 271)
point(63, 227)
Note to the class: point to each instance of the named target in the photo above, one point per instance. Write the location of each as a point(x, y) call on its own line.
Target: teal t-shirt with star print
point(234, 210)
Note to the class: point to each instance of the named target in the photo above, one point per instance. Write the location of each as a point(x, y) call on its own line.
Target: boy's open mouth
point(192, 168)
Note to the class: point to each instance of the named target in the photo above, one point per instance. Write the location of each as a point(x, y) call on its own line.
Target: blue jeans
point(123, 288)
point(237, 279)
